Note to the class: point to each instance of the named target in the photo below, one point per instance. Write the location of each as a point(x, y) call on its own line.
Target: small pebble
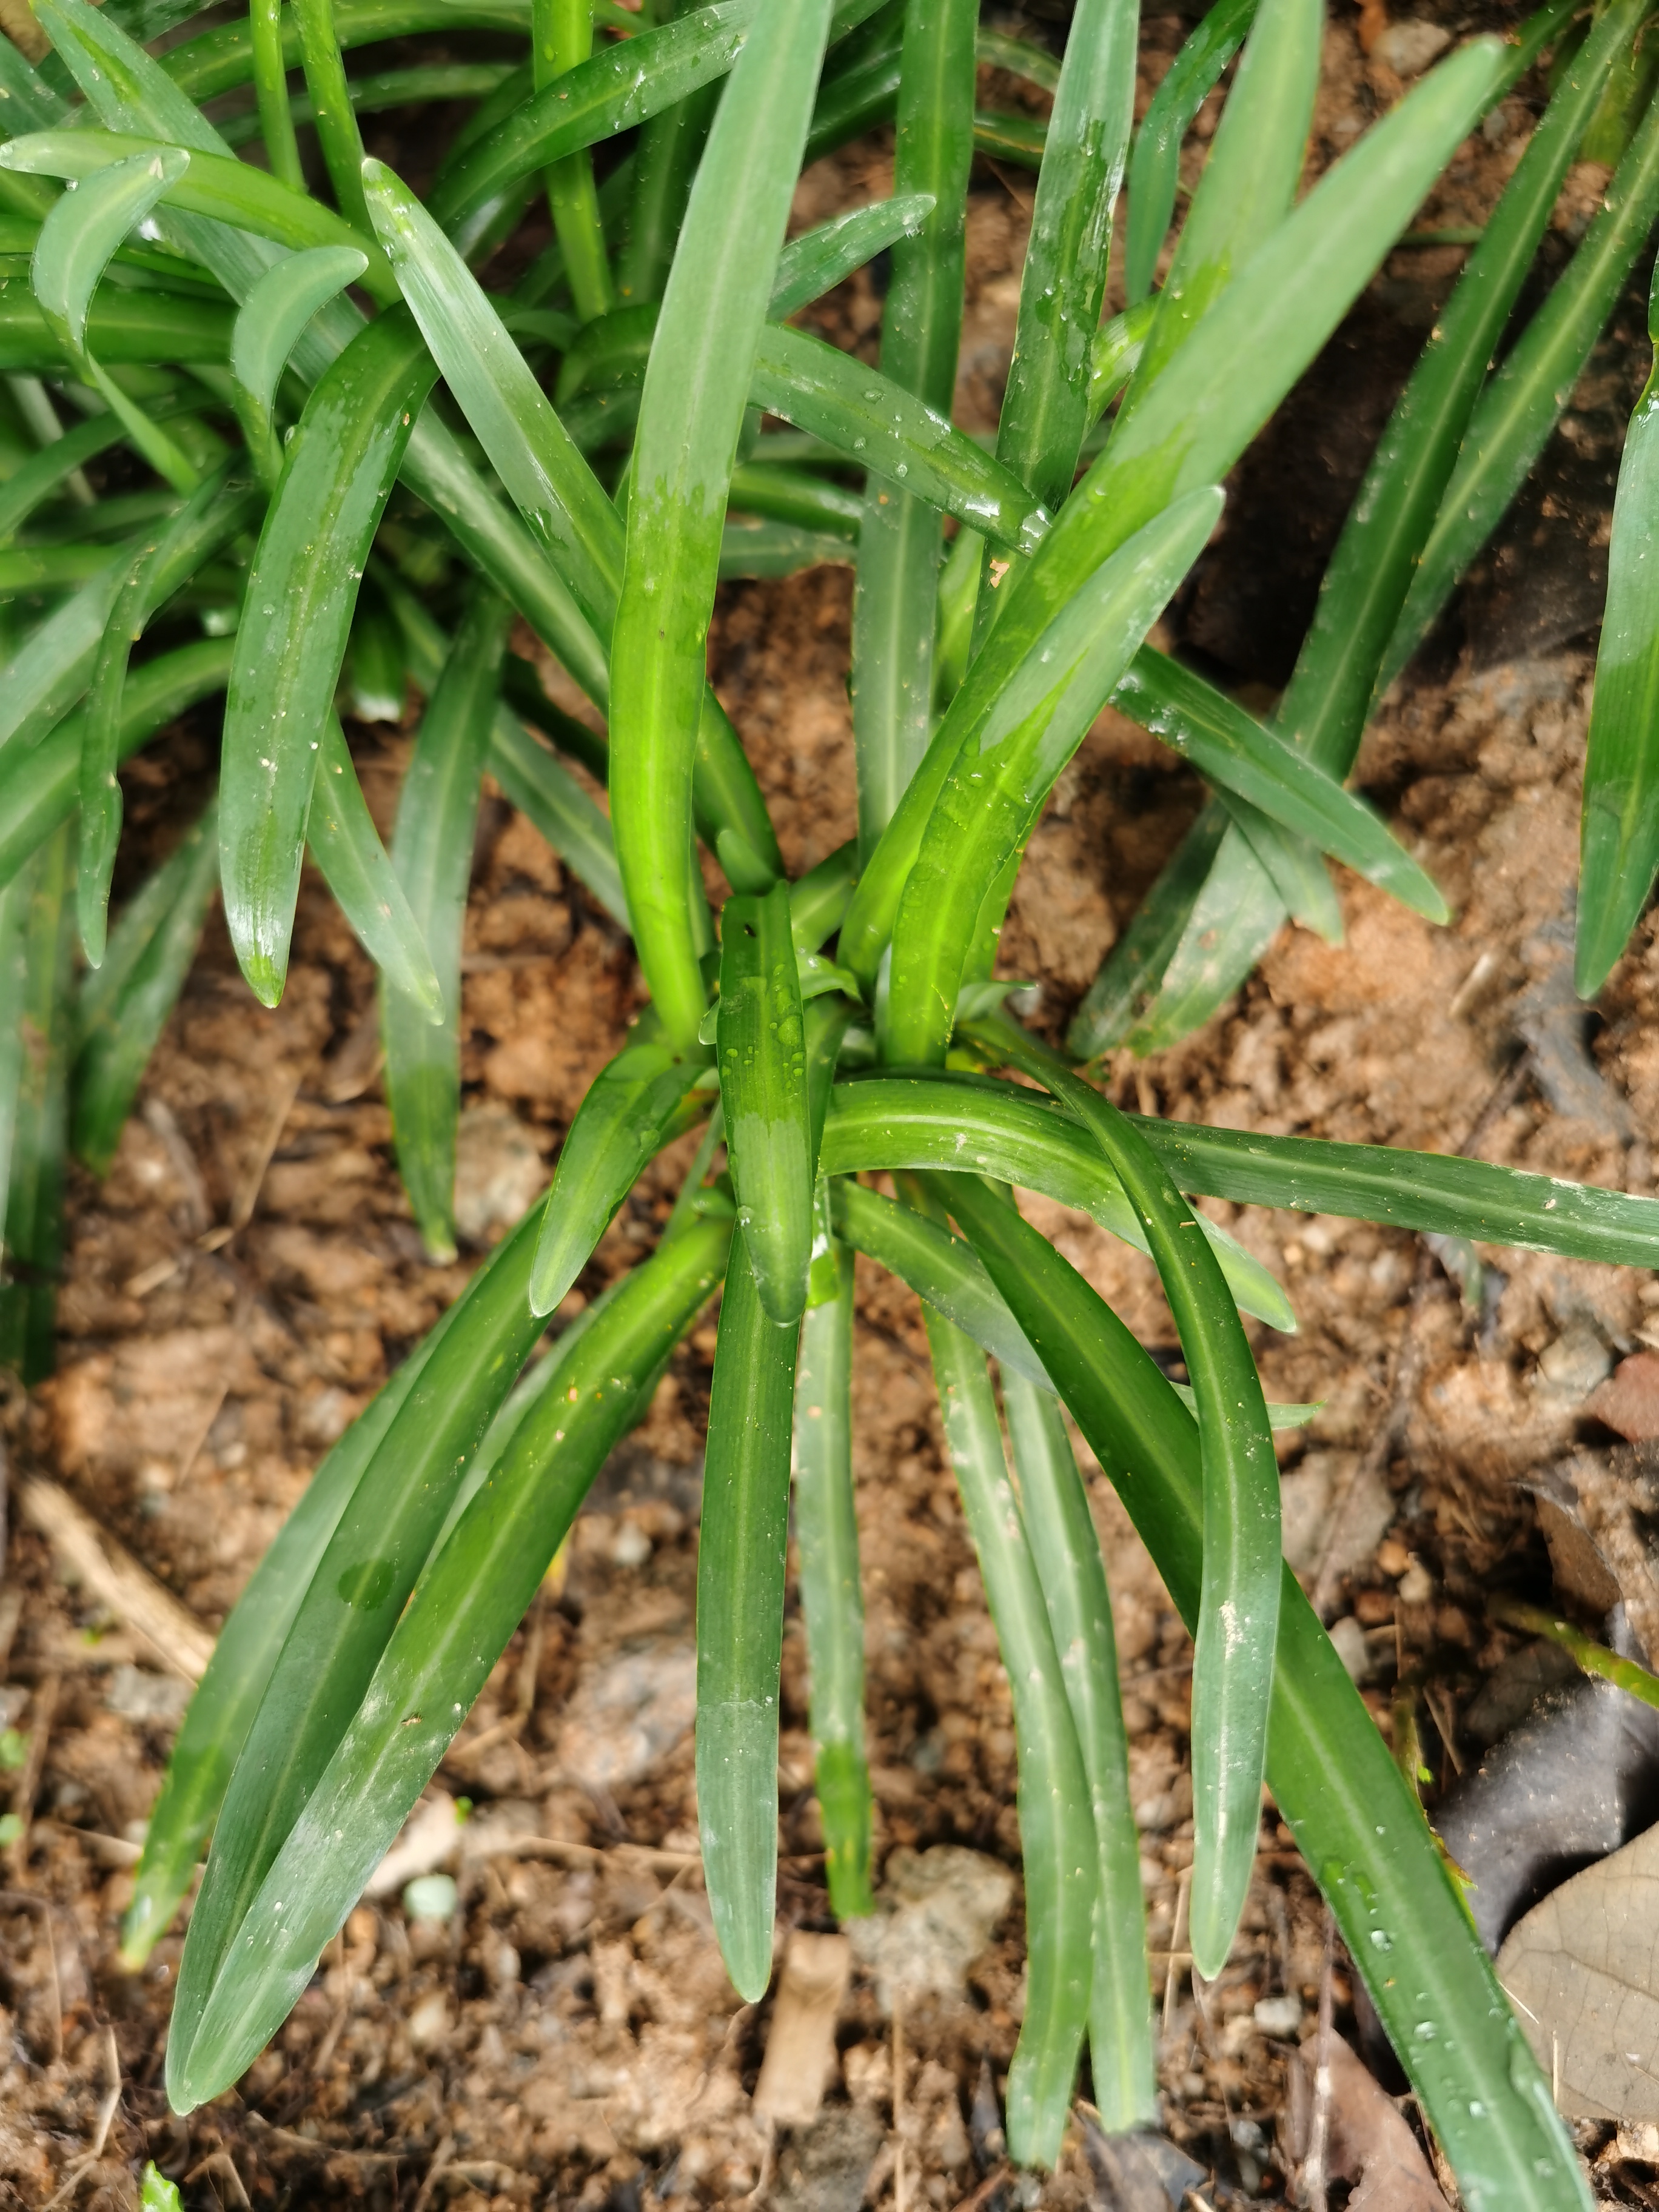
point(430, 1897)
point(1279, 2016)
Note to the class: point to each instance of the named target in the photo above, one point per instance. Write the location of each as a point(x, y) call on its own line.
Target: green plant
point(313, 495)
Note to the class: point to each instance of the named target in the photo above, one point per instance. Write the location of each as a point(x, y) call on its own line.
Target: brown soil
point(569, 2037)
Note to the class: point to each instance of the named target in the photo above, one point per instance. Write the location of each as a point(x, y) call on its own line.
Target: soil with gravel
point(248, 1274)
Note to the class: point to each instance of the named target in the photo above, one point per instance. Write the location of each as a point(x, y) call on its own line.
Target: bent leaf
point(268, 328)
point(619, 1126)
point(341, 466)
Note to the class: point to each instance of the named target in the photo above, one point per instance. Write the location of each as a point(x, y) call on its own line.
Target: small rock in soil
point(148, 1701)
point(499, 1173)
point(934, 1916)
point(1629, 1400)
point(628, 1714)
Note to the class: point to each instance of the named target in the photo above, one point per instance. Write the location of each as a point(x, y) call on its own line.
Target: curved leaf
point(1155, 165)
point(990, 797)
point(619, 1126)
point(892, 1121)
point(341, 467)
point(268, 328)
point(690, 416)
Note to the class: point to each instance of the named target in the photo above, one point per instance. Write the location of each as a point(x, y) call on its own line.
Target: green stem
point(264, 27)
point(331, 105)
point(563, 33)
point(1591, 1657)
point(899, 542)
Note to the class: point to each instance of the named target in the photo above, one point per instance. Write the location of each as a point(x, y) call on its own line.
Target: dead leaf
point(1370, 2142)
point(1583, 1972)
point(800, 2044)
point(1597, 1510)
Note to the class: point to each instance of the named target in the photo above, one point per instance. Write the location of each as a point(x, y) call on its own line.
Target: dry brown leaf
point(1370, 2140)
point(801, 2047)
point(1583, 1970)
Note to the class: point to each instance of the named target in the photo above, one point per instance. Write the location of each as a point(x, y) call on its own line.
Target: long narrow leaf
point(888, 1122)
point(940, 1268)
point(762, 1068)
point(221, 508)
point(741, 1576)
point(115, 1049)
point(1249, 179)
point(432, 853)
point(268, 328)
point(619, 1125)
point(1056, 1826)
point(900, 543)
point(40, 784)
point(442, 1648)
point(1196, 419)
point(341, 467)
point(1230, 747)
point(1155, 166)
point(1357, 1826)
point(1331, 688)
point(1620, 837)
point(34, 1202)
point(1238, 1602)
point(876, 422)
point(991, 796)
point(204, 183)
point(358, 870)
point(1066, 1549)
point(690, 419)
point(1045, 410)
point(1522, 402)
point(831, 1599)
point(342, 1622)
point(551, 483)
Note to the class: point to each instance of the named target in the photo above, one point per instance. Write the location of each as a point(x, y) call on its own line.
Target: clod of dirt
point(1597, 1512)
point(1369, 2141)
point(934, 1915)
point(1579, 1779)
point(825, 2168)
point(628, 1714)
point(1581, 1972)
point(1574, 1363)
point(1628, 1401)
